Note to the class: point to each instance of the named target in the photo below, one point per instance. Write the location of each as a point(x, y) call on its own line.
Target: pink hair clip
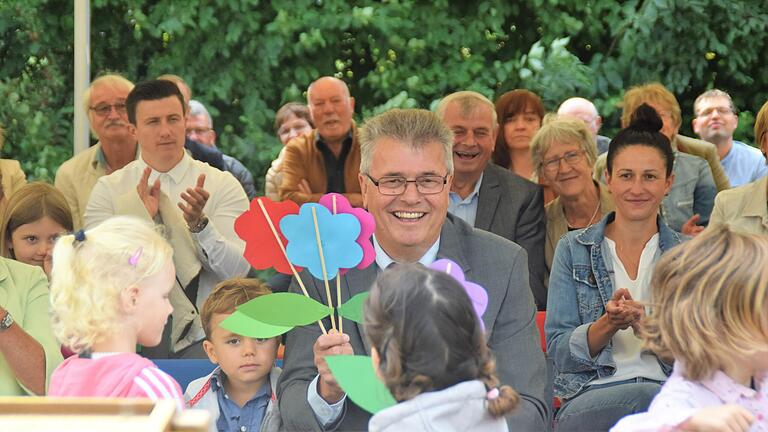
point(135, 257)
point(492, 393)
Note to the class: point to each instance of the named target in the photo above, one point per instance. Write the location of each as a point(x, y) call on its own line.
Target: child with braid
point(429, 349)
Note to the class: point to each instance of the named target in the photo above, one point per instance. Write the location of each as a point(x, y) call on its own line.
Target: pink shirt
point(681, 398)
point(125, 375)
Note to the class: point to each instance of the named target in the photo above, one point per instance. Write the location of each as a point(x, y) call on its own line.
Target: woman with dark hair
point(520, 113)
point(599, 287)
point(291, 120)
point(428, 347)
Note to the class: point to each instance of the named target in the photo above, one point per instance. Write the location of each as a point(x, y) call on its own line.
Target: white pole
point(82, 60)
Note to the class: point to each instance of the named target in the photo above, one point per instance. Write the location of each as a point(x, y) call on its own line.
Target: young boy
point(240, 393)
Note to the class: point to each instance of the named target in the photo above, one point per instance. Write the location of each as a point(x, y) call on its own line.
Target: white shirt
point(220, 250)
point(631, 362)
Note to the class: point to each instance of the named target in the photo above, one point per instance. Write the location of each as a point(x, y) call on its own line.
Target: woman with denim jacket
point(598, 287)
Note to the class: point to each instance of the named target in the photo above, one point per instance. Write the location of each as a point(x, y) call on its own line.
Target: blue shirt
point(744, 164)
point(465, 209)
point(232, 418)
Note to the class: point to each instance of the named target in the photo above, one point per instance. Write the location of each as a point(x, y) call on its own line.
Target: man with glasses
point(715, 122)
point(200, 129)
point(486, 195)
point(406, 172)
point(116, 146)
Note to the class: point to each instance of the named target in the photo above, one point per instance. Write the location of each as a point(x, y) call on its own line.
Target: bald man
point(585, 110)
point(328, 158)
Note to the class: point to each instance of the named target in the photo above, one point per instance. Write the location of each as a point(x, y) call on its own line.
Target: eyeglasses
point(571, 158)
point(720, 110)
point(198, 131)
point(396, 185)
point(104, 109)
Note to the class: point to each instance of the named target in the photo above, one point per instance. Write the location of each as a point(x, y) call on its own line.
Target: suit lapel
point(488, 199)
point(353, 283)
point(450, 246)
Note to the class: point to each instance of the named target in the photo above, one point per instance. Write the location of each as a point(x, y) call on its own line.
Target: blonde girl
point(110, 291)
point(710, 303)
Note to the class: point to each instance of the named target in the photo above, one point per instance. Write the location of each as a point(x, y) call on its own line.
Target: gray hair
point(713, 93)
point(414, 127)
point(468, 102)
point(562, 129)
point(196, 108)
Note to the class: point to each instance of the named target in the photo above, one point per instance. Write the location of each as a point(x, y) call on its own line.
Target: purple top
point(680, 398)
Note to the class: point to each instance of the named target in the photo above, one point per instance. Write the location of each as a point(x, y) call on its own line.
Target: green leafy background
point(243, 59)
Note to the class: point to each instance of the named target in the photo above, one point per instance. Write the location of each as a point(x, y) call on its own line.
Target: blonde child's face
point(154, 306)
point(245, 360)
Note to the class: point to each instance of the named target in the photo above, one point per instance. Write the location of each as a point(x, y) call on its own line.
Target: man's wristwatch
point(200, 225)
point(6, 322)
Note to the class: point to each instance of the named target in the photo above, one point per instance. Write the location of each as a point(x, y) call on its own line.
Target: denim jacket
point(579, 287)
point(693, 192)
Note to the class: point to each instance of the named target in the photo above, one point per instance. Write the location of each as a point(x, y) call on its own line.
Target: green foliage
point(245, 58)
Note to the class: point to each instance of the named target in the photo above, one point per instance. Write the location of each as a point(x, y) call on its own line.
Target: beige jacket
point(13, 178)
point(274, 177)
point(557, 225)
point(76, 178)
point(744, 209)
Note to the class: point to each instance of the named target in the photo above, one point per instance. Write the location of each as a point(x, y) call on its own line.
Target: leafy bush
point(245, 58)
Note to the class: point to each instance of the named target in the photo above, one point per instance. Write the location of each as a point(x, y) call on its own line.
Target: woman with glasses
point(563, 152)
point(599, 287)
point(744, 208)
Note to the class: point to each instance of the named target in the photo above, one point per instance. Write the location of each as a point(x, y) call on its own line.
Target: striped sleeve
point(156, 384)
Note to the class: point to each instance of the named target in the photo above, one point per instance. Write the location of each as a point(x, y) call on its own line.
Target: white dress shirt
point(219, 249)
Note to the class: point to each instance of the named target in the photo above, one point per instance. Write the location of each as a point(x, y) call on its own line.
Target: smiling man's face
point(407, 224)
point(474, 137)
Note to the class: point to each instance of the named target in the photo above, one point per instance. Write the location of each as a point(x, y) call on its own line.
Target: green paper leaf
point(241, 324)
point(353, 308)
point(285, 309)
point(356, 377)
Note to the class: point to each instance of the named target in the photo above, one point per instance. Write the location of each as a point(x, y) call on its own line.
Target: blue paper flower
point(338, 237)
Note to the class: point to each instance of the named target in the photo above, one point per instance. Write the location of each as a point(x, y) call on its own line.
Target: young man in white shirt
point(196, 203)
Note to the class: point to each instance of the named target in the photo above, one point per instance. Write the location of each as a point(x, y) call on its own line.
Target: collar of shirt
point(228, 407)
point(101, 160)
point(466, 208)
point(383, 260)
point(728, 390)
point(320, 142)
point(176, 174)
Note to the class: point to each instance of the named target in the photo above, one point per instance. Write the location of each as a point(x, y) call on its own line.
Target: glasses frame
point(555, 162)
point(405, 187)
point(725, 111)
point(120, 108)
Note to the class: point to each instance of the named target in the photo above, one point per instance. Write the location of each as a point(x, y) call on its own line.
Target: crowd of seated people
point(132, 256)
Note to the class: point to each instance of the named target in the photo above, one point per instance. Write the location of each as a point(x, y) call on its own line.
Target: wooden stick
point(322, 264)
point(338, 279)
point(282, 248)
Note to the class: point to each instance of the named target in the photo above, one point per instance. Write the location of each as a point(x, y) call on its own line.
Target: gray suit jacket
point(512, 207)
point(496, 264)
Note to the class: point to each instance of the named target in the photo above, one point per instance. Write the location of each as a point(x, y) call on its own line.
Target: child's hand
point(333, 343)
point(725, 418)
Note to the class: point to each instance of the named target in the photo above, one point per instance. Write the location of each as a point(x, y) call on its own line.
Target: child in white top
point(429, 349)
point(709, 303)
point(110, 291)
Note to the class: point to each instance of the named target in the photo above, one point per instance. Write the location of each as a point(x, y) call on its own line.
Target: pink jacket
point(126, 375)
